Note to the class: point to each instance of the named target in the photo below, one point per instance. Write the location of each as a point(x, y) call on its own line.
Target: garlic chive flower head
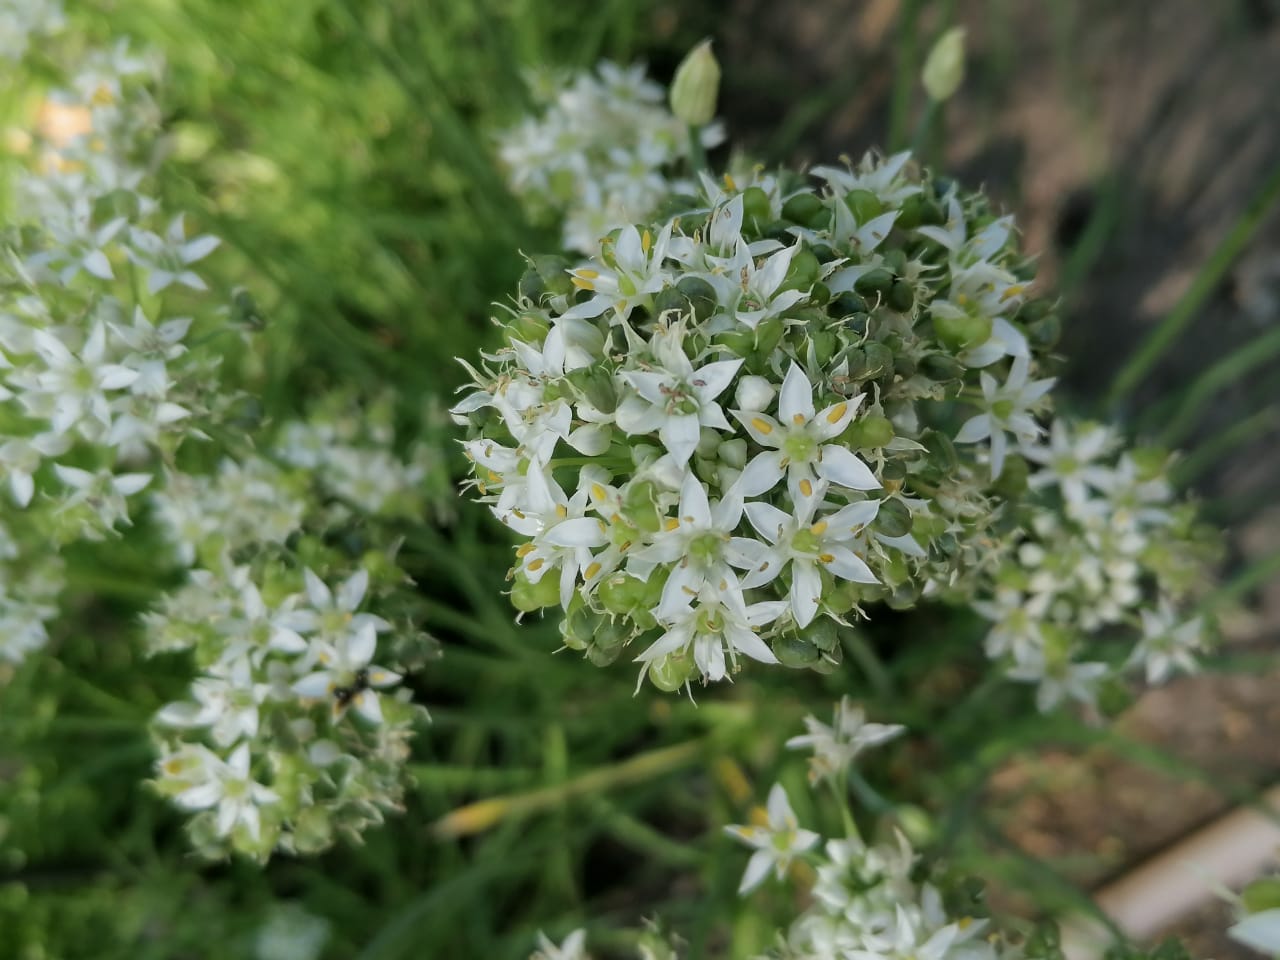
point(835, 747)
point(730, 432)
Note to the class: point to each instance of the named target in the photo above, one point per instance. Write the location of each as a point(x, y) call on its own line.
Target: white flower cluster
point(601, 152)
point(865, 901)
point(284, 657)
point(97, 379)
point(1113, 540)
point(730, 430)
point(266, 751)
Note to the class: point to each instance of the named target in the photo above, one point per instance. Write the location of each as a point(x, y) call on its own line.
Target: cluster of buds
point(747, 421)
point(602, 151)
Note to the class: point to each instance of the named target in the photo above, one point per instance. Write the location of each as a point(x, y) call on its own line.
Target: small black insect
point(344, 695)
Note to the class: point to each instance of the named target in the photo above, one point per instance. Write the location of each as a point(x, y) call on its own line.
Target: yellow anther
point(819, 528)
point(561, 511)
point(537, 565)
point(729, 183)
point(670, 523)
point(826, 557)
point(762, 425)
point(524, 550)
point(798, 419)
point(597, 492)
point(837, 412)
point(806, 488)
point(646, 242)
point(591, 571)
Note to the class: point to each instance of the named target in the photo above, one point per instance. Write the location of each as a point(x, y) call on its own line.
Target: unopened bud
point(944, 67)
point(696, 86)
point(754, 393)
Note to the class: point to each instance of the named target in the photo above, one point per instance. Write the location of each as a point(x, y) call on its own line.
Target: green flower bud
point(734, 452)
point(871, 361)
point(640, 506)
point(944, 67)
point(911, 213)
point(902, 295)
point(756, 208)
point(671, 672)
point(700, 294)
point(847, 304)
point(894, 519)
point(941, 368)
point(528, 597)
point(941, 451)
point(875, 284)
point(595, 385)
point(621, 593)
point(803, 272)
point(769, 335)
point(807, 210)
point(864, 205)
point(957, 331)
point(696, 86)
point(870, 432)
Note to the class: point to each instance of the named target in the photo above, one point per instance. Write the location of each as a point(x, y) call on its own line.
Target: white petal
point(352, 590)
point(317, 592)
point(366, 704)
point(768, 520)
point(757, 869)
point(361, 646)
point(710, 381)
point(749, 642)
point(693, 501)
point(840, 466)
point(761, 475)
point(680, 435)
point(315, 686)
point(200, 797)
point(796, 398)
point(975, 429)
point(576, 532)
point(806, 591)
point(849, 566)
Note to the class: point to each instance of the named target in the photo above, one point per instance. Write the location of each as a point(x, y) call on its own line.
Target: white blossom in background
point(835, 747)
point(603, 151)
point(775, 844)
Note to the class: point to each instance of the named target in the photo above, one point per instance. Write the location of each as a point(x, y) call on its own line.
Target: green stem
point(697, 154)
point(1187, 470)
point(485, 814)
point(1202, 287)
point(1223, 373)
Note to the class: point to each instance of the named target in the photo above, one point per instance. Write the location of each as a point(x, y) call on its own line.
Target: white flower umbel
point(800, 444)
point(775, 845)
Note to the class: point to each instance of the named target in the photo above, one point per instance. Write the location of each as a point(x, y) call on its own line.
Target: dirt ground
point(1165, 116)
